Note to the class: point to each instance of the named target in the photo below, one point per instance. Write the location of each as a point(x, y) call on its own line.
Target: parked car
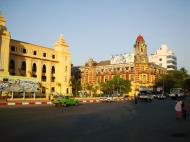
point(160, 96)
point(65, 101)
point(176, 93)
point(106, 99)
point(145, 96)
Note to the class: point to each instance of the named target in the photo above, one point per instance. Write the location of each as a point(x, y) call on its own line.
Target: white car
point(161, 96)
point(106, 99)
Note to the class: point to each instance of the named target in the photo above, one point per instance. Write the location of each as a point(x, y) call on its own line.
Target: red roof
point(140, 38)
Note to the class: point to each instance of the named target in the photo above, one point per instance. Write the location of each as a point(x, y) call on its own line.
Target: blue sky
point(100, 28)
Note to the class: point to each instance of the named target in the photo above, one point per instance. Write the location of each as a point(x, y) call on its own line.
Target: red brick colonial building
point(140, 72)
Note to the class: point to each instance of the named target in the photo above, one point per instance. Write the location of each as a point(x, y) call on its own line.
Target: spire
point(2, 19)
point(60, 44)
point(61, 41)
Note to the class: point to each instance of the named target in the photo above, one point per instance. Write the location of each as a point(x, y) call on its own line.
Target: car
point(65, 101)
point(145, 97)
point(106, 99)
point(160, 96)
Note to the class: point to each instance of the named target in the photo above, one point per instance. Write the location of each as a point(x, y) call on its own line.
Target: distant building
point(51, 67)
point(122, 59)
point(164, 57)
point(134, 67)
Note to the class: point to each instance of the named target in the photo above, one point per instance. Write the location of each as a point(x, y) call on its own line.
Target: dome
point(140, 38)
point(164, 47)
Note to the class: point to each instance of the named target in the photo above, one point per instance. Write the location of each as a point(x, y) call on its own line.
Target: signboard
point(18, 85)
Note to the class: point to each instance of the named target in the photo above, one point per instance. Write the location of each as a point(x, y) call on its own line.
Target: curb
point(24, 103)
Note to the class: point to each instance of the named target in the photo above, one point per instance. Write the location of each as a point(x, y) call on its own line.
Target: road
point(100, 122)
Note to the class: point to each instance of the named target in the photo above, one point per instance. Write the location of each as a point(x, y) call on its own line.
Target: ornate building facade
point(51, 67)
point(141, 72)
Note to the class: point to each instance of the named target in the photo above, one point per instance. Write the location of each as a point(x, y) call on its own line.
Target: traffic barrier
point(24, 103)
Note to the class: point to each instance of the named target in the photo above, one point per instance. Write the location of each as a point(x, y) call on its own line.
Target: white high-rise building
point(164, 57)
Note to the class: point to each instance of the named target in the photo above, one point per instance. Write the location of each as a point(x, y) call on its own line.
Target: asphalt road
point(101, 122)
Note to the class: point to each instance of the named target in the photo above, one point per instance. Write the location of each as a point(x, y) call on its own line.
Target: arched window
point(34, 67)
point(23, 66)
point(12, 67)
point(44, 69)
point(43, 73)
point(53, 70)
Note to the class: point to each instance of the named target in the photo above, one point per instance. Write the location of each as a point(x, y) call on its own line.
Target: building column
point(28, 67)
point(39, 71)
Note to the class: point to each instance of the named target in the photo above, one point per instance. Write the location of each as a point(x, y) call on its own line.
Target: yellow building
point(51, 67)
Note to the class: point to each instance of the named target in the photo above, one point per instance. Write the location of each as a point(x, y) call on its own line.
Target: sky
point(99, 29)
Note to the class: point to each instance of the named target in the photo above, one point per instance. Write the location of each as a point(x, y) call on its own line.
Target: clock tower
point(140, 50)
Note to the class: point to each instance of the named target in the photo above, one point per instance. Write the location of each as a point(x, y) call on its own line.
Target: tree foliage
point(116, 84)
point(173, 79)
point(76, 85)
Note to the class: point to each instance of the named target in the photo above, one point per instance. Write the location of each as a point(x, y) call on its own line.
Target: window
point(43, 78)
point(23, 66)
point(132, 78)
point(44, 54)
point(43, 90)
point(67, 91)
point(24, 50)
point(23, 69)
point(53, 70)
point(34, 68)
point(65, 58)
point(52, 79)
point(52, 89)
point(141, 49)
point(65, 68)
point(142, 69)
point(53, 56)
point(160, 59)
point(44, 69)
point(12, 67)
point(35, 53)
point(13, 48)
point(132, 69)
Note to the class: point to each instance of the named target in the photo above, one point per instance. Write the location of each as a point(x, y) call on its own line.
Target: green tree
point(186, 85)
point(89, 87)
point(76, 86)
point(173, 79)
point(117, 84)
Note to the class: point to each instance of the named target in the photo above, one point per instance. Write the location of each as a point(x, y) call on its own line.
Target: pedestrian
point(135, 96)
point(185, 108)
point(178, 109)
